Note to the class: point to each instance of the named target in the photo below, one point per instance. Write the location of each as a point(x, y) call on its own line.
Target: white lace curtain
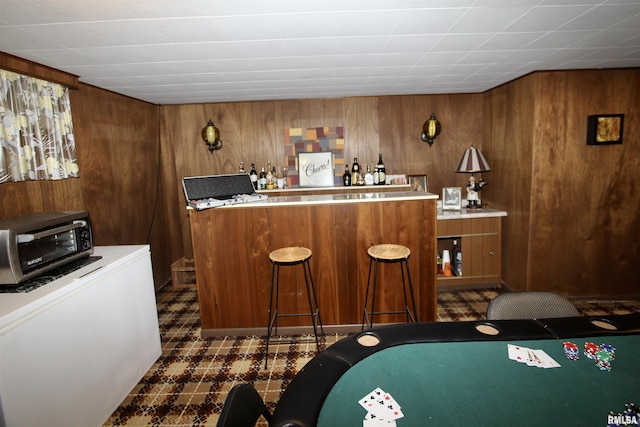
point(36, 130)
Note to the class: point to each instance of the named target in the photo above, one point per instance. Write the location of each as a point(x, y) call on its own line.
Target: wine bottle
point(270, 183)
point(382, 176)
point(346, 177)
point(355, 171)
point(456, 254)
point(263, 179)
point(254, 176)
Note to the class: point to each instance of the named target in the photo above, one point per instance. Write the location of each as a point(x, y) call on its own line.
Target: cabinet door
point(481, 250)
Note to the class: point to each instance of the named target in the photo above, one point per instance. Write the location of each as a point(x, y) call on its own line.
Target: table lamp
point(473, 161)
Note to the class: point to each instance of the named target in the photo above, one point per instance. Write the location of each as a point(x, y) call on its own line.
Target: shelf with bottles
point(479, 238)
point(449, 252)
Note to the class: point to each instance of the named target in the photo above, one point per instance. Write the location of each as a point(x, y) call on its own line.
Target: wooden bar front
point(231, 248)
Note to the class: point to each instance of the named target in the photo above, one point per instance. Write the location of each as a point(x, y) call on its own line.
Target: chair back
point(242, 408)
point(530, 305)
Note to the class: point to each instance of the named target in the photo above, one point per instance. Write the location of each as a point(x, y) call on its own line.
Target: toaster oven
point(34, 244)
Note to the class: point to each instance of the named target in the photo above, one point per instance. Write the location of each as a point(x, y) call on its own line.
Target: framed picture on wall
point(418, 182)
point(604, 129)
point(315, 169)
point(452, 198)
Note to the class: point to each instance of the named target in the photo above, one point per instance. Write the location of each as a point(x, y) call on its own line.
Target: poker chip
point(571, 350)
point(609, 349)
point(590, 350)
point(603, 360)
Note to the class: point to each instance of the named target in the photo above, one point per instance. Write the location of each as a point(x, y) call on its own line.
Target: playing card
point(546, 361)
point(382, 405)
point(517, 353)
point(531, 357)
point(378, 423)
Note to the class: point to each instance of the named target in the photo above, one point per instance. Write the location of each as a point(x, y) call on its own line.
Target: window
point(36, 130)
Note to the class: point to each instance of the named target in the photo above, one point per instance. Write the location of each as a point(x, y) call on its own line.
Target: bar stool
point(388, 253)
point(291, 256)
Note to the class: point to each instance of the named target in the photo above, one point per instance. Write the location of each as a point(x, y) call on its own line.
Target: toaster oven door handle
point(30, 237)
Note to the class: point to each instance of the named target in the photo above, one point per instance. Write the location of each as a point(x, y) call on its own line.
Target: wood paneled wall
point(117, 142)
point(573, 223)
point(254, 132)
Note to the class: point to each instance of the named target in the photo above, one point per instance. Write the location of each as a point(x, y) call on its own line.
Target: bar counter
point(231, 247)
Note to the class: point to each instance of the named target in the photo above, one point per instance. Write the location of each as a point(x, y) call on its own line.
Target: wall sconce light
point(211, 136)
point(430, 130)
point(473, 161)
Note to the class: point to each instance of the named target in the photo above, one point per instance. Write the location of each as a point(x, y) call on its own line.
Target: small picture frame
point(418, 183)
point(605, 129)
point(452, 198)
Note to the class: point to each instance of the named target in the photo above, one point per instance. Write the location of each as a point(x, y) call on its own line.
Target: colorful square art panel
point(314, 140)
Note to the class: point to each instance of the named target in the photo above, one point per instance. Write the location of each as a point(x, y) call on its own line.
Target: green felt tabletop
point(476, 384)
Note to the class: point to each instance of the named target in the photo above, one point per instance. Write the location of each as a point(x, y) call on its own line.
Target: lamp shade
point(473, 161)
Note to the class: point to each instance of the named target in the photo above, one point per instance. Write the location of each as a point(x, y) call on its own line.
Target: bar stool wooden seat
point(291, 256)
point(388, 253)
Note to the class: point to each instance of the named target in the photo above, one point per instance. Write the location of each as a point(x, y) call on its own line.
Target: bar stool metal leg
point(272, 315)
point(291, 257)
point(388, 253)
point(413, 300)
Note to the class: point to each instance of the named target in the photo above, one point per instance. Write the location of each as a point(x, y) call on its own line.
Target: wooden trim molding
point(29, 68)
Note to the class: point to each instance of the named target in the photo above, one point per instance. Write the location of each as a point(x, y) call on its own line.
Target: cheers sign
point(315, 169)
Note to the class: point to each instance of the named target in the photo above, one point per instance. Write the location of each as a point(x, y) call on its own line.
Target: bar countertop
point(327, 199)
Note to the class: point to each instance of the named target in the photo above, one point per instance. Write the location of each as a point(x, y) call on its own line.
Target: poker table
point(459, 373)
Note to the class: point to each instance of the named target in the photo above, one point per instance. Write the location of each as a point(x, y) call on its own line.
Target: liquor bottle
point(271, 179)
point(376, 175)
point(254, 176)
point(382, 176)
point(284, 177)
point(360, 178)
point(346, 177)
point(368, 178)
point(241, 168)
point(456, 254)
point(263, 179)
point(355, 171)
point(279, 178)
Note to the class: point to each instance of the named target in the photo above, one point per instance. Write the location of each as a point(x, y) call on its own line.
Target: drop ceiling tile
point(547, 18)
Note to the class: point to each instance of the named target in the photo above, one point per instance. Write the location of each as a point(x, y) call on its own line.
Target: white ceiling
point(188, 51)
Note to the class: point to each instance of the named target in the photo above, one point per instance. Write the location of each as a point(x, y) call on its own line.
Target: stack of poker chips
point(603, 360)
point(571, 350)
point(590, 350)
point(604, 356)
point(609, 349)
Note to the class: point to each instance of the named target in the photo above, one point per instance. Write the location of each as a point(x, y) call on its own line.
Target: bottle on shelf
point(241, 168)
point(446, 263)
point(279, 178)
point(355, 171)
point(346, 177)
point(439, 270)
point(254, 176)
point(360, 178)
point(376, 175)
point(382, 176)
point(263, 179)
point(456, 254)
point(284, 177)
point(270, 183)
point(368, 178)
